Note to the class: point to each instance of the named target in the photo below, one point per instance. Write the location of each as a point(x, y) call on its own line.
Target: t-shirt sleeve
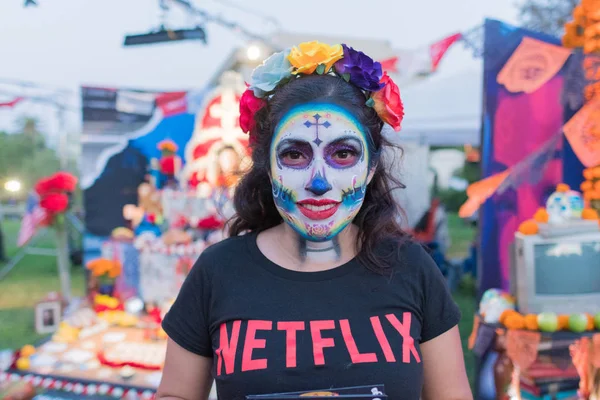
point(440, 312)
point(186, 322)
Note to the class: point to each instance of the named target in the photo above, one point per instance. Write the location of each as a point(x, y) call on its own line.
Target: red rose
point(43, 187)
point(59, 182)
point(388, 104)
point(249, 105)
point(63, 181)
point(167, 165)
point(55, 203)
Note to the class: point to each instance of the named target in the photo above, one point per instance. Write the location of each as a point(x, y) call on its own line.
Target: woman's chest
point(278, 342)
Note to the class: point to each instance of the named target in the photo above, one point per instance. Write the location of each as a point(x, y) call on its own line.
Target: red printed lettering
point(382, 339)
point(319, 342)
point(408, 343)
point(355, 355)
point(290, 329)
point(227, 349)
point(251, 343)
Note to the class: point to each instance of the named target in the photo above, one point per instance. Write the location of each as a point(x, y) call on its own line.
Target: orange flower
point(388, 104)
point(167, 145)
point(507, 313)
point(562, 188)
point(588, 174)
point(100, 266)
point(529, 227)
point(590, 325)
point(563, 322)
point(587, 185)
point(531, 322)
point(115, 269)
point(597, 186)
point(589, 214)
point(578, 14)
point(541, 216)
point(307, 57)
point(596, 172)
point(515, 321)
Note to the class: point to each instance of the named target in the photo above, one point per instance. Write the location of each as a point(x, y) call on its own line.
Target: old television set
point(556, 274)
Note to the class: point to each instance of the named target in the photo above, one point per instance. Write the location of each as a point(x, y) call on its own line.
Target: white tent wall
point(409, 163)
point(444, 110)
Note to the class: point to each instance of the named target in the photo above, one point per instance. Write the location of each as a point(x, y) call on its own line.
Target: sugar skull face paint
point(319, 169)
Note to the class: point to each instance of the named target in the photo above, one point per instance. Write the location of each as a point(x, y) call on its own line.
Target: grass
point(29, 282)
point(35, 276)
point(462, 235)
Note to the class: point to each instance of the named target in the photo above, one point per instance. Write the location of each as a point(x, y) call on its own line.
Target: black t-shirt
point(272, 330)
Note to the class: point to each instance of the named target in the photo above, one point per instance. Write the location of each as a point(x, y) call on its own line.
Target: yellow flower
point(309, 55)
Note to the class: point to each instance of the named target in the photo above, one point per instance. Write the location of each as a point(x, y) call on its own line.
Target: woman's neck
point(295, 252)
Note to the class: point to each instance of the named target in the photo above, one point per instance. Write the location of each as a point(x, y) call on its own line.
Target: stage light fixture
point(165, 35)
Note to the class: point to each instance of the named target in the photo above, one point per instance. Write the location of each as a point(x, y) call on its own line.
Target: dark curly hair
point(377, 219)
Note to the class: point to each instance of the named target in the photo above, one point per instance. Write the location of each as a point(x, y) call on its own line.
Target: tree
point(547, 16)
point(24, 156)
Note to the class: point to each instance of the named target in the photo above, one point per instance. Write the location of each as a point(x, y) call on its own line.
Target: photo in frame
point(47, 316)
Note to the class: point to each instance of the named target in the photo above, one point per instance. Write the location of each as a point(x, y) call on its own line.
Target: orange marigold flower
point(563, 322)
point(541, 216)
point(515, 321)
point(587, 185)
point(531, 322)
point(590, 325)
point(589, 214)
point(562, 188)
point(529, 227)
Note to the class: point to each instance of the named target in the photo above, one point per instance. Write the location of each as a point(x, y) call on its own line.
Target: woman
point(318, 287)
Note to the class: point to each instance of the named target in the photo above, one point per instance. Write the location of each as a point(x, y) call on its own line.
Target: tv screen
point(567, 268)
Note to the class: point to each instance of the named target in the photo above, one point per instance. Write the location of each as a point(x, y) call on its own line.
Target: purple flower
point(360, 69)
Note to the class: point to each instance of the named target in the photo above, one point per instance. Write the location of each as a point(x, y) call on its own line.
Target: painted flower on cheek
point(270, 73)
point(388, 104)
point(360, 69)
point(307, 57)
point(249, 105)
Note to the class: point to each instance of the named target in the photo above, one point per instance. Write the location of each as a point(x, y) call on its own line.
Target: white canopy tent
point(444, 110)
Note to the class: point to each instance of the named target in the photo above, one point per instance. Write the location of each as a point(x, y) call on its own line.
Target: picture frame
point(47, 316)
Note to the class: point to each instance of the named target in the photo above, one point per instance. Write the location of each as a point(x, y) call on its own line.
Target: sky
point(68, 43)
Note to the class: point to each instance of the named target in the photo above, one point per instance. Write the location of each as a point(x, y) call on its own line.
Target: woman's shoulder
point(406, 255)
point(225, 249)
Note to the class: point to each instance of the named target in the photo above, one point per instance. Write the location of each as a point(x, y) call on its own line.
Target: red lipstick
point(318, 209)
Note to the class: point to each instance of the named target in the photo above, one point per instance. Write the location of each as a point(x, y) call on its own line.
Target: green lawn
point(36, 276)
point(462, 236)
point(29, 282)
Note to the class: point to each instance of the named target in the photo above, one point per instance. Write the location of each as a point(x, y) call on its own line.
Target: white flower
point(273, 70)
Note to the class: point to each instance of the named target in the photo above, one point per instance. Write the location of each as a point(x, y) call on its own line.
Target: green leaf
point(346, 77)
point(370, 102)
point(321, 69)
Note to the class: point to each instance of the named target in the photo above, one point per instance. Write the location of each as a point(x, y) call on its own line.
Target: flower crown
point(311, 58)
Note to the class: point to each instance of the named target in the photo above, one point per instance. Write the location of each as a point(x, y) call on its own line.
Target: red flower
point(167, 165)
point(249, 105)
point(388, 104)
point(55, 203)
point(152, 218)
point(59, 182)
point(64, 181)
point(43, 186)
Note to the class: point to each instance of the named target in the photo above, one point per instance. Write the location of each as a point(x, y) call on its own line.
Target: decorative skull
point(564, 206)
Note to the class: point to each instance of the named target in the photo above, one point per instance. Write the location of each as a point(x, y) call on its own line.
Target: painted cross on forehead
point(308, 124)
